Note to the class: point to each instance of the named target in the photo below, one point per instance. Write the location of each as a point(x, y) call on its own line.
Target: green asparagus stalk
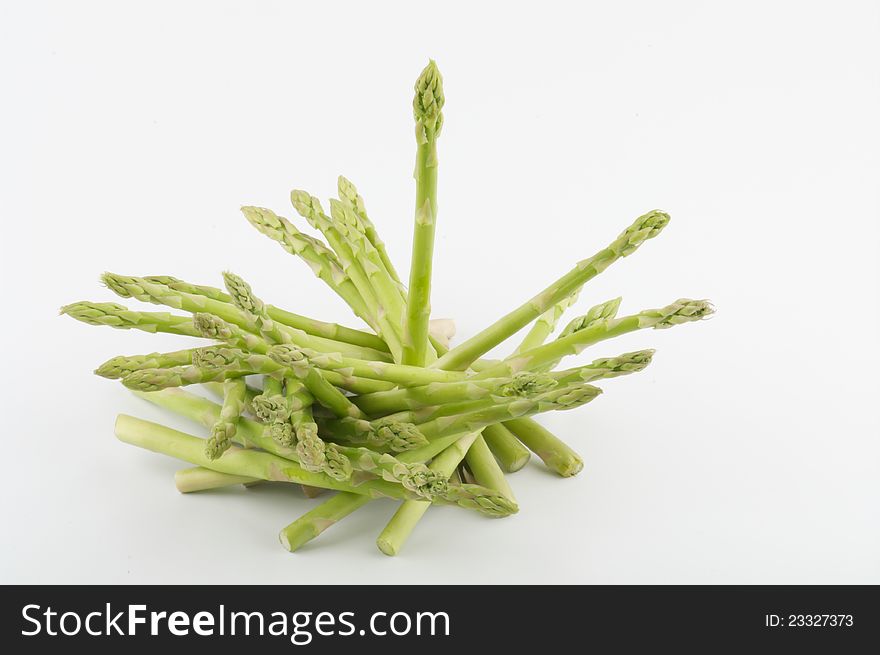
point(320, 258)
point(197, 478)
point(595, 315)
point(310, 208)
point(247, 463)
point(487, 473)
point(401, 525)
point(645, 227)
point(681, 311)
point(367, 432)
point(314, 327)
point(313, 523)
point(399, 374)
point(349, 195)
point(118, 367)
point(347, 223)
point(508, 450)
point(336, 461)
point(224, 429)
point(557, 455)
point(294, 361)
point(119, 316)
point(544, 325)
point(427, 110)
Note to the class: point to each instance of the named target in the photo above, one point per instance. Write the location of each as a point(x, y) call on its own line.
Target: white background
point(747, 453)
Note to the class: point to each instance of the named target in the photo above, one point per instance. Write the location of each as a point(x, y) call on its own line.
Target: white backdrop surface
point(747, 453)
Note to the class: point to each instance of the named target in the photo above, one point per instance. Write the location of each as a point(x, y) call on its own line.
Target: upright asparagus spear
point(645, 227)
point(427, 110)
point(319, 257)
point(349, 195)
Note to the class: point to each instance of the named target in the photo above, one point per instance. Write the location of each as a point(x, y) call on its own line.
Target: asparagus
point(508, 450)
point(349, 195)
point(197, 478)
point(314, 522)
point(119, 316)
point(645, 227)
point(224, 429)
point(122, 365)
point(408, 514)
point(293, 360)
point(320, 258)
point(520, 384)
point(347, 223)
point(310, 208)
point(400, 374)
point(485, 469)
point(558, 456)
point(248, 463)
point(569, 397)
point(681, 311)
point(545, 324)
point(337, 462)
point(427, 110)
point(595, 315)
point(312, 326)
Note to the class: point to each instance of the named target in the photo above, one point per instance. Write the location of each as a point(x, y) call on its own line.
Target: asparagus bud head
point(307, 206)
point(212, 327)
point(683, 310)
point(626, 363)
point(292, 357)
point(281, 433)
point(271, 409)
point(151, 379)
point(99, 313)
point(216, 357)
point(527, 384)
point(645, 227)
point(336, 465)
point(428, 103)
point(242, 294)
point(397, 435)
point(600, 312)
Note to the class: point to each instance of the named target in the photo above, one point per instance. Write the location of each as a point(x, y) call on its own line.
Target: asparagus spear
point(545, 324)
point(319, 257)
point(310, 208)
point(119, 316)
point(313, 523)
point(522, 383)
point(681, 311)
point(224, 429)
point(122, 365)
point(569, 397)
point(214, 328)
point(645, 227)
point(347, 223)
point(557, 455)
point(337, 461)
point(508, 450)
point(293, 360)
point(312, 326)
point(485, 469)
point(408, 514)
point(197, 478)
point(247, 463)
point(349, 195)
point(427, 110)
point(399, 374)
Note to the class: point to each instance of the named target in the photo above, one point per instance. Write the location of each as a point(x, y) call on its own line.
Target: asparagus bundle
point(385, 411)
